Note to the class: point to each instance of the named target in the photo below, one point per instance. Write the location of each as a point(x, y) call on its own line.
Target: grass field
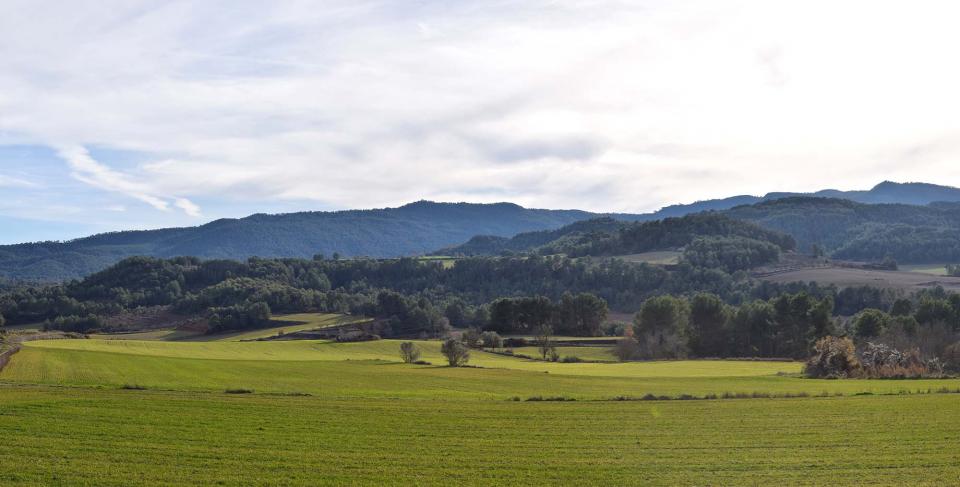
point(661, 257)
point(843, 277)
point(932, 269)
point(85, 436)
point(129, 412)
point(281, 323)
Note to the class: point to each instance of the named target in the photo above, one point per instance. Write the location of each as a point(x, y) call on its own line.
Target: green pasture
point(64, 436)
point(373, 369)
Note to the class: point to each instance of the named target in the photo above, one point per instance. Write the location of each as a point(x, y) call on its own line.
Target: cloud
point(89, 171)
point(13, 182)
point(601, 105)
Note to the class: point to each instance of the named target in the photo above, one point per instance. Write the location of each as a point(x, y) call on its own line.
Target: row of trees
point(577, 315)
point(704, 326)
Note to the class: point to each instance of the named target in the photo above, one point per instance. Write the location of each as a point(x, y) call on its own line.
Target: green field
point(351, 413)
point(107, 437)
point(932, 269)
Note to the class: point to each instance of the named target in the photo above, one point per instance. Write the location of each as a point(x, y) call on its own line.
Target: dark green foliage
point(78, 324)
point(867, 232)
point(576, 315)
point(730, 253)
point(392, 232)
point(603, 237)
point(870, 323)
point(708, 316)
point(239, 317)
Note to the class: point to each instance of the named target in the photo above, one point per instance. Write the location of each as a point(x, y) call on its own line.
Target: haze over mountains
point(423, 227)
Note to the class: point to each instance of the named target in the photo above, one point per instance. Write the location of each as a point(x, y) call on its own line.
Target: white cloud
point(14, 182)
point(600, 105)
point(89, 171)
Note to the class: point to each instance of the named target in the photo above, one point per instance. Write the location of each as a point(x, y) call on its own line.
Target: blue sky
point(146, 114)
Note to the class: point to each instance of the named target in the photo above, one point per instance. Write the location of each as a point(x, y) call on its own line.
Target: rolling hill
point(412, 229)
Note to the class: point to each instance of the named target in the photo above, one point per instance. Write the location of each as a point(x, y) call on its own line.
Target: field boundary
point(6, 354)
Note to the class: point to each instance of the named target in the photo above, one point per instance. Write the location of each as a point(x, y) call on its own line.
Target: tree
point(901, 307)
point(544, 340)
point(455, 351)
point(472, 338)
point(409, 352)
point(625, 349)
point(870, 323)
point(581, 315)
point(3, 321)
point(951, 357)
point(492, 339)
point(660, 326)
point(706, 334)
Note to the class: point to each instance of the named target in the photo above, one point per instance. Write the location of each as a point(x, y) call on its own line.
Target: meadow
point(113, 437)
point(308, 412)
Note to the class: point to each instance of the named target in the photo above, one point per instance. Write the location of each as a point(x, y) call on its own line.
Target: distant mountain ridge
point(412, 229)
point(885, 192)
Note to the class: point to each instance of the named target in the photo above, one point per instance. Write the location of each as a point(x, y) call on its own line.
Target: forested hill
point(849, 230)
point(885, 192)
point(412, 229)
point(841, 228)
point(709, 236)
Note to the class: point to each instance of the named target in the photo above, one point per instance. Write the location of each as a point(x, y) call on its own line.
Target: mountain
point(847, 229)
point(708, 237)
point(412, 229)
point(843, 229)
point(885, 192)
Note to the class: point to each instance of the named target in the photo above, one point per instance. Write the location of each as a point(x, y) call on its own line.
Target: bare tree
point(472, 338)
point(455, 351)
point(492, 339)
point(544, 341)
point(626, 349)
point(409, 352)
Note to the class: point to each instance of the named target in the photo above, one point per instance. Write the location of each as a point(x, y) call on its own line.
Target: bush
point(472, 338)
point(492, 339)
point(409, 352)
point(515, 342)
point(951, 357)
point(626, 349)
point(834, 357)
point(456, 352)
point(571, 359)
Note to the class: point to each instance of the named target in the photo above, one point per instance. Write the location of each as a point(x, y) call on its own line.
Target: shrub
point(456, 352)
point(625, 349)
point(951, 357)
point(492, 339)
point(833, 357)
point(472, 338)
point(239, 391)
point(409, 352)
point(515, 342)
point(571, 359)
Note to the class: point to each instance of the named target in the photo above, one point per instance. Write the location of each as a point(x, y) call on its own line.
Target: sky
point(146, 114)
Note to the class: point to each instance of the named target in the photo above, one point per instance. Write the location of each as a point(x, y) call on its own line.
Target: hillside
point(841, 228)
point(849, 230)
point(709, 239)
point(412, 229)
point(885, 192)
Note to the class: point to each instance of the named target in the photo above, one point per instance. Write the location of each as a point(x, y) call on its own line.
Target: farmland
point(904, 280)
point(322, 412)
point(111, 437)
